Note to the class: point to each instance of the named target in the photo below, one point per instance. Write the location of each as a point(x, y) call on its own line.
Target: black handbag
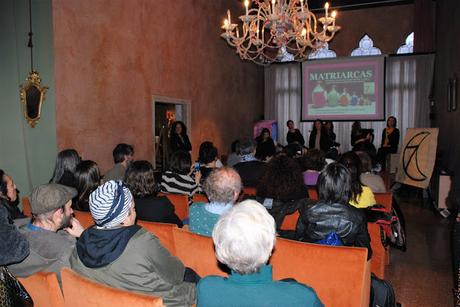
point(12, 293)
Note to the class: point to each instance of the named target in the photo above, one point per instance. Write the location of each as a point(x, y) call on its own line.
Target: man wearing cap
point(118, 253)
point(51, 232)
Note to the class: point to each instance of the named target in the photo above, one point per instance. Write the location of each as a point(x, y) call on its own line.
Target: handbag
point(12, 292)
point(331, 239)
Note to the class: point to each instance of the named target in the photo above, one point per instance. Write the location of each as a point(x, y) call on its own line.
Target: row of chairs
point(81, 291)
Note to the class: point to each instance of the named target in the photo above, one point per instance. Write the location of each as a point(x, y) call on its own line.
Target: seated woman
point(265, 146)
point(207, 158)
point(368, 178)
point(390, 141)
point(140, 180)
point(244, 239)
point(9, 198)
point(223, 187)
point(313, 163)
point(333, 213)
point(64, 169)
point(87, 179)
point(319, 138)
point(361, 195)
point(178, 179)
point(120, 254)
point(281, 189)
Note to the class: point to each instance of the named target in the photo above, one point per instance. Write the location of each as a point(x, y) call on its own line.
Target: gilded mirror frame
point(33, 80)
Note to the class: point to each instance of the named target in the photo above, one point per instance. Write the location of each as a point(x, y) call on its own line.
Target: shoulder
point(299, 291)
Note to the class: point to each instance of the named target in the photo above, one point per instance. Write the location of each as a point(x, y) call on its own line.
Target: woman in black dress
point(390, 141)
point(178, 138)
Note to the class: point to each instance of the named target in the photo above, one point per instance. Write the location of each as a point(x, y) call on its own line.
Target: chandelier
point(273, 29)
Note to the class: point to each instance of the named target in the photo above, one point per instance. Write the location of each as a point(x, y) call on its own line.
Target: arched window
point(408, 47)
point(366, 47)
point(322, 53)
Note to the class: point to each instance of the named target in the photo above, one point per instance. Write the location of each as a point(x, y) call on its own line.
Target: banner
point(418, 156)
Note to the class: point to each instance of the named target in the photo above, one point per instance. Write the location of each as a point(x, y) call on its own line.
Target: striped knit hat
point(110, 204)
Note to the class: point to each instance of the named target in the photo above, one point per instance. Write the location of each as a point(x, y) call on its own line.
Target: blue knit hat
point(110, 204)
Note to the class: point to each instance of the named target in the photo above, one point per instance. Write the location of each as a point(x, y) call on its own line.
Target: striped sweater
point(179, 184)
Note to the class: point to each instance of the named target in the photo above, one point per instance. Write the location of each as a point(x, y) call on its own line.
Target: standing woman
point(178, 138)
point(390, 141)
point(318, 137)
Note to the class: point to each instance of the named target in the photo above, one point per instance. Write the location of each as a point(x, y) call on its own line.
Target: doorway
point(165, 111)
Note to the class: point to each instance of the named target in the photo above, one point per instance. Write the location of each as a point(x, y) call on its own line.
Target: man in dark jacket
point(250, 169)
point(332, 213)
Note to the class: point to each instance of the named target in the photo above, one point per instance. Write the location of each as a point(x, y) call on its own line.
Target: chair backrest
point(196, 252)
point(290, 221)
point(313, 193)
point(163, 231)
point(379, 253)
point(385, 199)
point(200, 198)
point(85, 218)
point(339, 275)
point(249, 191)
point(44, 289)
point(26, 206)
point(81, 291)
point(180, 203)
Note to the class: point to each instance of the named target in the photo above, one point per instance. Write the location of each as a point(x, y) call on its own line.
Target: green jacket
point(144, 266)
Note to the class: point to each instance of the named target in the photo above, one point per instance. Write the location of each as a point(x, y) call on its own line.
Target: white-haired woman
point(244, 238)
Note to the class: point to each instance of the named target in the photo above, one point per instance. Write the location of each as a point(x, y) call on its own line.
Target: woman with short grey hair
point(244, 239)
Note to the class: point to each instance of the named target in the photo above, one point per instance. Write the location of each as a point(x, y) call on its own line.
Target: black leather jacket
point(317, 221)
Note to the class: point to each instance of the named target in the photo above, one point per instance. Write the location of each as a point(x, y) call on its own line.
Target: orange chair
point(290, 221)
point(385, 199)
point(163, 231)
point(200, 198)
point(196, 252)
point(249, 191)
point(313, 193)
point(26, 206)
point(379, 253)
point(44, 289)
point(180, 203)
point(85, 218)
point(339, 275)
point(81, 291)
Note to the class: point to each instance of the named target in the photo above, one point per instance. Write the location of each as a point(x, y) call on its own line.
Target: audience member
point(390, 141)
point(50, 247)
point(333, 213)
point(122, 157)
point(140, 180)
point(207, 159)
point(9, 198)
point(368, 178)
point(87, 178)
point(294, 150)
point(64, 170)
point(319, 138)
point(223, 187)
point(281, 189)
point(244, 239)
point(234, 157)
point(178, 179)
point(294, 135)
point(363, 140)
point(313, 163)
point(178, 138)
point(120, 254)
point(265, 146)
point(361, 195)
point(250, 169)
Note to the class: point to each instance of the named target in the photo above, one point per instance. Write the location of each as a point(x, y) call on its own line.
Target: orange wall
point(111, 56)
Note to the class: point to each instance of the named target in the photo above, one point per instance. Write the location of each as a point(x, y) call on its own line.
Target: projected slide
point(344, 89)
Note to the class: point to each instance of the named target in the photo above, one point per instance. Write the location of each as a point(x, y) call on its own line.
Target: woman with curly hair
point(282, 189)
point(140, 180)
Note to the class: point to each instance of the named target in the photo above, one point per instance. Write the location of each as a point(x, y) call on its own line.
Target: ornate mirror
point(32, 95)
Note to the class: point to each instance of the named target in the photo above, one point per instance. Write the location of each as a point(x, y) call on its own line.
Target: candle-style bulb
point(304, 32)
point(334, 14)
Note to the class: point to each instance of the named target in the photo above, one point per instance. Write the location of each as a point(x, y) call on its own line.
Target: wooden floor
point(422, 276)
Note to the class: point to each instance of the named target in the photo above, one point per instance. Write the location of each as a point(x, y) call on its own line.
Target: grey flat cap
point(47, 197)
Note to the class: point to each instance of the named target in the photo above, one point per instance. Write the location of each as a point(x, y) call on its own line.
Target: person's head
point(112, 205)
point(356, 127)
point(51, 205)
point(180, 162)
point(290, 124)
point(140, 178)
point(352, 162)
point(282, 179)
point(244, 237)
point(334, 184)
point(366, 161)
point(247, 146)
point(66, 161)
point(314, 160)
point(391, 122)
point(293, 150)
point(87, 176)
point(123, 153)
point(223, 185)
point(317, 125)
point(208, 153)
point(329, 126)
point(264, 134)
point(7, 187)
point(178, 127)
